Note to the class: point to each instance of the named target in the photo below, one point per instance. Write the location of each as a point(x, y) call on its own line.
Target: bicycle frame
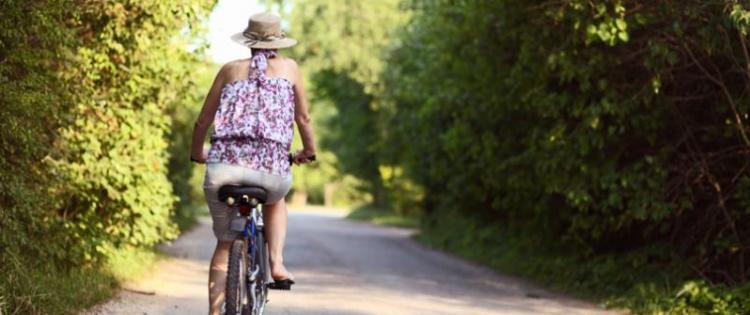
point(252, 232)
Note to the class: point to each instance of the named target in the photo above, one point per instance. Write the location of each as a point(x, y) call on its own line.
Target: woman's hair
point(253, 50)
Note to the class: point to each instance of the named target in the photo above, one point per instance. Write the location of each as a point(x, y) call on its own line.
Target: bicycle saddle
point(238, 191)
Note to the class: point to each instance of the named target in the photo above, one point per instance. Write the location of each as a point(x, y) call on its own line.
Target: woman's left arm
point(206, 117)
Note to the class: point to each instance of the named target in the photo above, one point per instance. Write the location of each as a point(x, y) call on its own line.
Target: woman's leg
point(217, 276)
point(275, 216)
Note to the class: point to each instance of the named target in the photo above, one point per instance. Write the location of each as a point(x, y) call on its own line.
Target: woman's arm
point(206, 117)
point(302, 116)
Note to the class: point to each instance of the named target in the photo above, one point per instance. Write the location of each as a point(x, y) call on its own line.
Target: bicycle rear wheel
point(236, 289)
point(260, 260)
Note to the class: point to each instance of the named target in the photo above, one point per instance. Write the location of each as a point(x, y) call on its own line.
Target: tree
point(615, 126)
point(341, 50)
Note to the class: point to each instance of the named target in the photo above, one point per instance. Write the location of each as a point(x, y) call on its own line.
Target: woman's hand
point(304, 156)
point(201, 159)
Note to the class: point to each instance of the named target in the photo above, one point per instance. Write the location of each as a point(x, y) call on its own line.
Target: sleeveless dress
point(250, 143)
point(254, 124)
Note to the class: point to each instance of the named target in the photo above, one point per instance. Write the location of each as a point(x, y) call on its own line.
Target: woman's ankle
point(277, 262)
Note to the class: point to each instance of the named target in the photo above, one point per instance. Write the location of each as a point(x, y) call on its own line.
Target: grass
point(621, 281)
point(382, 217)
point(132, 264)
point(37, 287)
point(40, 289)
point(613, 281)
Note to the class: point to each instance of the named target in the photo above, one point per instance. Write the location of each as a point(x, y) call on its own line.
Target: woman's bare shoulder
point(232, 70)
point(288, 62)
point(237, 62)
point(234, 66)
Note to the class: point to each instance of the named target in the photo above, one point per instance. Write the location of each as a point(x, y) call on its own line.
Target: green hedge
point(607, 127)
point(87, 89)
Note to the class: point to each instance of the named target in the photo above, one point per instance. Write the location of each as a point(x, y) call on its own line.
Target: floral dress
point(254, 124)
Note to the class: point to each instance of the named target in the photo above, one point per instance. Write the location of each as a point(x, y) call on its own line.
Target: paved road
point(344, 267)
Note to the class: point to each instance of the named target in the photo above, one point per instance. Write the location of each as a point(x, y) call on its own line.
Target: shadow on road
point(346, 267)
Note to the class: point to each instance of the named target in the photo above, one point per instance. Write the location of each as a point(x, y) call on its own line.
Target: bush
point(608, 128)
point(86, 92)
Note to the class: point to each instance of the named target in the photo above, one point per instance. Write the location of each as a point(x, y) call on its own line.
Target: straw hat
point(263, 31)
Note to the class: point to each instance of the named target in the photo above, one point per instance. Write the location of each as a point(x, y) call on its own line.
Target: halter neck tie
point(259, 62)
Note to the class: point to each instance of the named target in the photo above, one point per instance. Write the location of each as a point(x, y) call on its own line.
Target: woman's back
point(253, 124)
point(278, 67)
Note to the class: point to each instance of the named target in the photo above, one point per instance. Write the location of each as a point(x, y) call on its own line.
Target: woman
point(253, 105)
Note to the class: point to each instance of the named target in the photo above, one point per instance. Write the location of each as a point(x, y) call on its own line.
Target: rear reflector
point(244, 209)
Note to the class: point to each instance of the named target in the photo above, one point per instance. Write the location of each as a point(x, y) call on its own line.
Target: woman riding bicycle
point(253, 104)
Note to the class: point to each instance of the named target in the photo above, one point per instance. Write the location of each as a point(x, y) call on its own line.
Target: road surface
point(345, 267)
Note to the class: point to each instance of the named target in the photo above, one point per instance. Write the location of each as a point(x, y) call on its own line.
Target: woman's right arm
point(302, 116)
point(206, 117)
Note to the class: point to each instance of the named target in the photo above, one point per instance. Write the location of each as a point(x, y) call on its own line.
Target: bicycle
point(249, 274)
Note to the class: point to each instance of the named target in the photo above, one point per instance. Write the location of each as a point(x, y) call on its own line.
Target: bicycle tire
point(236, 279)
point(265, 259)
point(261, 291)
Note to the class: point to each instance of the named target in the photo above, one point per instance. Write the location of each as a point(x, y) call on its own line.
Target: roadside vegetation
point(92, 95)
point(598, 147)
point(383, 217)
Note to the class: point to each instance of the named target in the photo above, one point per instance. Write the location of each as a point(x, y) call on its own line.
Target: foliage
point(187, 177)
point(613, 130)
point(34, 291)
point(26, 68)
point(86, 92)
point(342, 54)
point(617, 280)
point(610, 128)
point(32, 48)
point(350, 130)
point(383, 217)
point(345, 36)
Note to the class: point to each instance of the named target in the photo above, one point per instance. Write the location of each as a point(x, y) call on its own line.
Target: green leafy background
point(89, 92)
point(598, 147)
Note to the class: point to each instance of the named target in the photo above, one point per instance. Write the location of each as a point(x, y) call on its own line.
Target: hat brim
point(239, 38)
